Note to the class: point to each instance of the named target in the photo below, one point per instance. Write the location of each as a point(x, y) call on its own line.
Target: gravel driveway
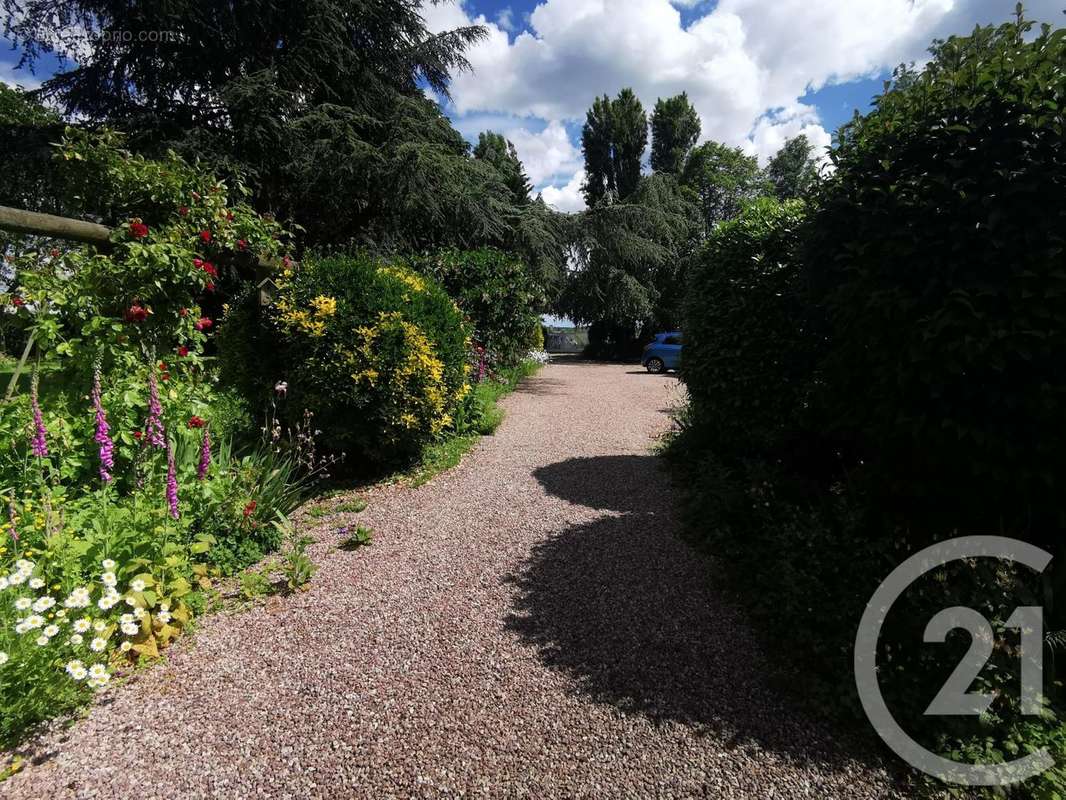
point(526, 625)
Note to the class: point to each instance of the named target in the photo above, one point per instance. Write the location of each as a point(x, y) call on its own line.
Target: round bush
point(374, 350)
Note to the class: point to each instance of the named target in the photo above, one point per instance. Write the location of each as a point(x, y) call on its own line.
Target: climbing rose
point(172, 483)
point(136, 313)
point(205, 455)
point(183, 351)
point(137, 435)
point(196, 422)
point(154, 425)
point(205, 236)
point(103, 433)
point(17, 301)
point(183, 312)
point(39, 441)
point(250, 508)
point(183, 210)
point(242, 244)
point(203, 323)
point(138, 230)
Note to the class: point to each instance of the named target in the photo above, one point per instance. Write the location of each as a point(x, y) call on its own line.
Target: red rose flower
point(198, 263)
point(243, 245)
point(196, 422)
point(249, 509)
point(183, 313)
point(17, 301)
point(138, 230)
point(53, 253)
point(209, 287)
point(137, 434)
point(165, 376)
point(183, 210)
point(229, 216)
point(183, 351)
point(136, 313)
point(210, 269)
point(205, 236)
point(203, 323)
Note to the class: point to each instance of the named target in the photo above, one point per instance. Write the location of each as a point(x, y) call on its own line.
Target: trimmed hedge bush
point(749, 349)
point(377, 352)
point(498, 293)
point(941, 258)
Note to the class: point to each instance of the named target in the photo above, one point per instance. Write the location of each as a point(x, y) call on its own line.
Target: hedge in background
point(749, 349)
point(377, 352)
point(498, 293)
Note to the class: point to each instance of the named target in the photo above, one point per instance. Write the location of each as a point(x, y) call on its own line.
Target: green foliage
point(498, 294)
point(722, 179)
point(940, 262)
point(675, 128)
point(355, 506)
point(254, 584)
point(360, 537)
point(749, 348)
point(613, 138)
point(375, 350)
point(296, 566)
point(631, 257)
point(498, 151)
point(793, 170)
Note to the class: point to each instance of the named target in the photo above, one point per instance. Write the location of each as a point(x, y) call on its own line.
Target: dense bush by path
point(377, 352)
point(885, 373)
point(498, 293)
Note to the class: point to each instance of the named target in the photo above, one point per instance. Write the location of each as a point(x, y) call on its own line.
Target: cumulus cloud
point(744, 63)
point(505, 19)
point(566, 198)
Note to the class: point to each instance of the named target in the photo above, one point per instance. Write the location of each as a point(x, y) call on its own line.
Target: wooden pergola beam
point(34, 223)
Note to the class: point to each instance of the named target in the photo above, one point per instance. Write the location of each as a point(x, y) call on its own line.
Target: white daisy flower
point(108, 579)
point(106, 602)
point(130, 628)
point(61, 614)
point(35, 621)
point(98, 645)
point(163, 616)
point(22, 565)
point(3, 658)
point(139, 613)
point(137, 586)
point(22, 627)
point(108, 565)
point(16, 578)
point(79, 673)
point(125, 618)
point(23, 604)
point(36, 583)
point(99, 626)
point(125, 646)
point(76, 639)
point(51, 631)
point(164, 605)
point(43, 603)
point(98, 672)
point(79, 598)
point(74, 666)
point(42, 640)
point(131, 601)
point(4, 582)
point(82, 625)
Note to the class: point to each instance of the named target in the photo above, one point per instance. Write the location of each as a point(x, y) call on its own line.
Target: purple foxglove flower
point(39, 440)
point(205, 455)
point(154, 425)
point(103, 433)
point(172, 483)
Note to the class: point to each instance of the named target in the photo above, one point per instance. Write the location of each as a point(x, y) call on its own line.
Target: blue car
point(663, 353)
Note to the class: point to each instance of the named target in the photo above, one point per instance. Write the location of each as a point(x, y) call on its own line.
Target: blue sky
point(757, 71)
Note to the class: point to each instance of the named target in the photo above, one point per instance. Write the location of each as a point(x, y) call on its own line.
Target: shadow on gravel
point(630, 614)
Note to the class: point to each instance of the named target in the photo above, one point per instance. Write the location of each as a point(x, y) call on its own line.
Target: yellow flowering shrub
point(375, 350)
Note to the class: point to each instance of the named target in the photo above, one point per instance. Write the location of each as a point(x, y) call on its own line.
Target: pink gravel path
point(526, 625)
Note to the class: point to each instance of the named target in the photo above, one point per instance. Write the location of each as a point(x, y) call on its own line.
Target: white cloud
point(566, 198)
point(505, 19)
point(744, 63)
point(18, 77)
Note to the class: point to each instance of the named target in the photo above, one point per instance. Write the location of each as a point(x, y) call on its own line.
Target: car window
point(672, 340)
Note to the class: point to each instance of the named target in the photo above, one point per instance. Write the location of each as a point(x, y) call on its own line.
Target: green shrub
point(374, 350)
point(749, 347)
point(939, 256)
point(499, 294)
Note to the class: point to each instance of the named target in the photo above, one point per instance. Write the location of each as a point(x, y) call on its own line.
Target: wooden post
point(74, 230)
